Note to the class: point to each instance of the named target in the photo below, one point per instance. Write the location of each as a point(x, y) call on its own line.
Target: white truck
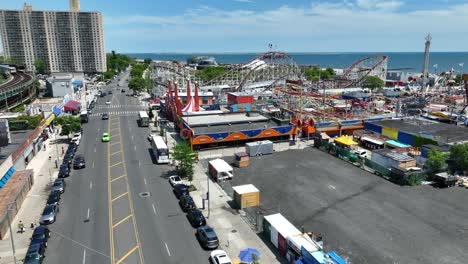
point(220, 170)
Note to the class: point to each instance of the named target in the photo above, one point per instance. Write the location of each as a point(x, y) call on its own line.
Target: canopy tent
point(346, 140)
point(72, 106)
point(192, 104)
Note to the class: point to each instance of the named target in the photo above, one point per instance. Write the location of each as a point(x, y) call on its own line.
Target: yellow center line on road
point(120, 196)
point(121, 221)
point(135, 226)
point(109, 197)
point(113, 165)
point(118, 178)
point(128, 254)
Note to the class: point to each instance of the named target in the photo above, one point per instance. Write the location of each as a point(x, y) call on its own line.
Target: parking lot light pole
point(208, 194)
point(11, 232)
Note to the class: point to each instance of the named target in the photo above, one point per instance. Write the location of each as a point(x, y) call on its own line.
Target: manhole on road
point(145, 194)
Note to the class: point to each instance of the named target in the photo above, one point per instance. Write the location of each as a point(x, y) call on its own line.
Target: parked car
point(186, 203)
point(54, 198)
point(219, 257)
point(180, 189)
point(207, 237)
point(105, 116)
point(196, 218)
point(174, 180)
point(79, 162)
point(40, 235)
point(35, 254)
point(122, 91)
point(109, 92)
point(64, 171)
point(76, 139)
point(49, 214)
point(59, 185)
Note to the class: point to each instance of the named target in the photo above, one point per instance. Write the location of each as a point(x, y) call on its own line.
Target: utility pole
point(426, 63)
point(11, 233)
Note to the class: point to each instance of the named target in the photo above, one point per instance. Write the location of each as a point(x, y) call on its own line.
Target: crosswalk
point(120, 106)
point(115, 113)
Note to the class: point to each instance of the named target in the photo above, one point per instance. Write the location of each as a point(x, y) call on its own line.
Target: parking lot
point(364, 218)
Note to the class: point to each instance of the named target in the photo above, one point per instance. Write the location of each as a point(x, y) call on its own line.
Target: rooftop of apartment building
point(17, 138)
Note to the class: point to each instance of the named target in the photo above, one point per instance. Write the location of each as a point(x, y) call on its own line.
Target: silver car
point(59, 185)
point(49, 215)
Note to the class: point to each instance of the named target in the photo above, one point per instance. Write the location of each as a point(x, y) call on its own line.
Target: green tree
point(209, 73)
point(137, 84)
point(108, 75)
point(314, 73)
point(185, 158)
point(137, 70)
point(458, 158)
point(40, 66)
point(372, 82)
point(69, 124)
point(436, 161)
point(147, 61)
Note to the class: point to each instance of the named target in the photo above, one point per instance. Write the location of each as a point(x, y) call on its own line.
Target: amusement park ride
point(277, 76)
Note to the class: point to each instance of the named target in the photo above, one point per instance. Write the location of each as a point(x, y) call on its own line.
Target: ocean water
point(406, 61)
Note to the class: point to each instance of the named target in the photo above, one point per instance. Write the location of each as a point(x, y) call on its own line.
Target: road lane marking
point(113, 165)
point(84, 256)
point(121, 221)
point(114, 143)
point(87, 215)
point(144, 179)
point(120, 196)
point(118, 178)
point(94, 149)
point(115, 153)
point(109, 205)
point(135, 225)
point(90, 185)
point(93, 165)
point(128, 254)
point(167, 248)
point(134, 147)
point(115, 128)
point(132, 137)
point(115, 135)
point(154, 208)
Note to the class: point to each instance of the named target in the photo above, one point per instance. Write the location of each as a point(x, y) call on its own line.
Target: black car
point(79, 162)
point(207, 237)
point(109, 92)
point(105, 116)
point(59, 185)
point(64, 171)
point(180, 189)
point(122, 91)
point(68, 158)
point(186, 203)
point(71, 148)
point(196, 218)
point(54, 198)
point(40, 236)
point(103, 94)
point(35, 254)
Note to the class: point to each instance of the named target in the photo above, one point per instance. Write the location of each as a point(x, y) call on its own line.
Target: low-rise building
point(60, 85)
point(392, 159)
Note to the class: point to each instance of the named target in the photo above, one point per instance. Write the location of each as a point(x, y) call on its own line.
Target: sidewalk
point(234, 233)
point(33, 205)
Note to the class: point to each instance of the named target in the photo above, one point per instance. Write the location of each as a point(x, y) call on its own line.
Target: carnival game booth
point(232, 129)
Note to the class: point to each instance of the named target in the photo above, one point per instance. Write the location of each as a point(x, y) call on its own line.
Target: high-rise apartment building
point(65, 41)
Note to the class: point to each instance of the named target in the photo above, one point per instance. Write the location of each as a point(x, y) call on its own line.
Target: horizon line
point(288, 52)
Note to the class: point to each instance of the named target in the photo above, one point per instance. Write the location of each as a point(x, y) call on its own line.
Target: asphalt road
point(104, 218)
point(364, 218)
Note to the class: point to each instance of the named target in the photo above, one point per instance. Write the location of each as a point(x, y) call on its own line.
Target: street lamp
point(11, 232)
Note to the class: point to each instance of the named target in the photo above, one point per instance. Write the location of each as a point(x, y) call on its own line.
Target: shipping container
point(264, 147)
point(280, 226)
point(246, 196)
point(220, 170)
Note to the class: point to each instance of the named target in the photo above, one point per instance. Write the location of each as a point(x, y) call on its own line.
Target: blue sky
point(294, 25)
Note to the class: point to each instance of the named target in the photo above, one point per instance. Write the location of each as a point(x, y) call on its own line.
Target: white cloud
point(360, 25)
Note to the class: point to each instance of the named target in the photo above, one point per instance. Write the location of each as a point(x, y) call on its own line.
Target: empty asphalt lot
point(362, 217)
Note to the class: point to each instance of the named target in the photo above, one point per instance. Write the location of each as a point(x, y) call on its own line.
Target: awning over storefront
point(372, 140)
point(72, 106)
point(396, 144)
point(346, 140)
